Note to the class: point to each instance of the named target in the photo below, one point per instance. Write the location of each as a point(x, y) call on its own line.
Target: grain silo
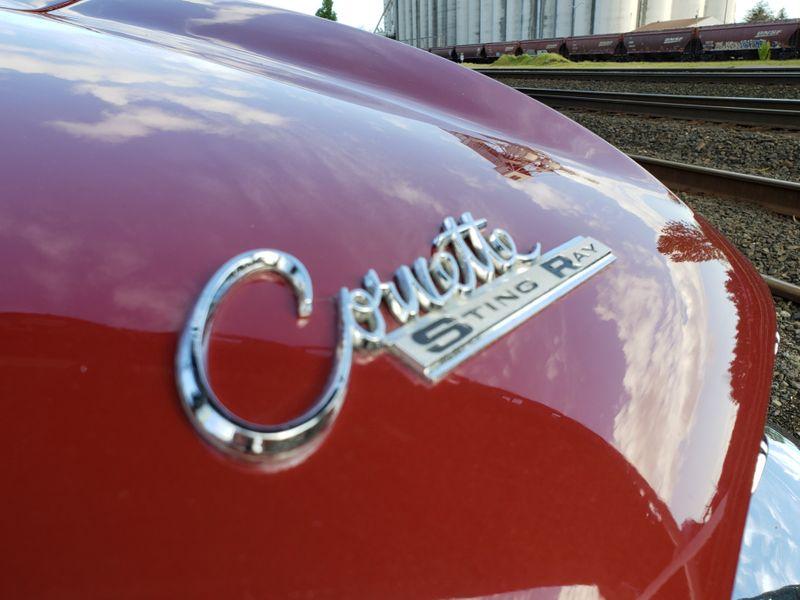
point(435, 23)
point(724, 10)
point(614, 16)
point(688, 9)
point(650, 12)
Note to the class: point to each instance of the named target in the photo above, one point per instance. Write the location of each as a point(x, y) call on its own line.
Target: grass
point(526, 60)
point(557, 61)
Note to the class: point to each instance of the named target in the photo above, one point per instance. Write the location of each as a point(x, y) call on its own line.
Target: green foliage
point(759, 13)
point(782, 16)
point(764, 50)
point(526, 60)
point(326, 10)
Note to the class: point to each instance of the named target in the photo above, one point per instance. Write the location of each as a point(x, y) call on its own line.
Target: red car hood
point(603, 448)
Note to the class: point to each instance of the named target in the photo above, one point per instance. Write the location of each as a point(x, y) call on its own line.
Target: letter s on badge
point(443, 328)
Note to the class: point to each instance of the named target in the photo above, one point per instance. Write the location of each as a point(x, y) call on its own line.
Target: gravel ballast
point(770, 241)
point(741, 90)
point(769, 153)
point(784, 406)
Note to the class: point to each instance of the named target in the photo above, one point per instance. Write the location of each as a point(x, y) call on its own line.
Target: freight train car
point(470, 53)
point(743, 40)
point(448, 52)
point(595, 47)
point(666, 44)
point(553, 45)
point(497, 49)
point(716, 42)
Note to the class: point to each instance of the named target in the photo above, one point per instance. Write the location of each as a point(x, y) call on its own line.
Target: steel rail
point(780, 196)
point(775, 194)
point(763, 112)
point(784, 289)
point(781, 75)
point(731, 101)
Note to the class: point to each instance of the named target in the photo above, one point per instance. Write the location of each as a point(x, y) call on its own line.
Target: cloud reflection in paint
point(142, 99)
point(677, 350)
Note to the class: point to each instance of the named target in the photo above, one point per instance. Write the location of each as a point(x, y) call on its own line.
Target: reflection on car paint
point(638, 397)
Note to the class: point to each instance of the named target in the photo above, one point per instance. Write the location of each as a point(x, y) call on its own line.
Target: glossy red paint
point(605, 446)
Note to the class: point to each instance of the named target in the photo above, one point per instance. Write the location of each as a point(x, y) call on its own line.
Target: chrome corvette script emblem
point(474, 289)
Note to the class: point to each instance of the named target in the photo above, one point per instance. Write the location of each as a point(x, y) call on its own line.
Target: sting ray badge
point(474, 289)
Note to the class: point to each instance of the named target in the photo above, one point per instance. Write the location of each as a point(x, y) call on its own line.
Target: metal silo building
point(616, 16)
point(724, 10)
point(688, 9)
point(436, 23)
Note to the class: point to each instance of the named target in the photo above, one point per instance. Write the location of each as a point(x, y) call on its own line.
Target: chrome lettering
point(557, 264)
point(464, 259)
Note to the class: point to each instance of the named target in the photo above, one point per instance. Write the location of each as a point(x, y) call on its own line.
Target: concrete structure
point(436, 23)
point(679, 24)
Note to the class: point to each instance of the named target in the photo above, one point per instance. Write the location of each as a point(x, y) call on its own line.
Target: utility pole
point(386, 8)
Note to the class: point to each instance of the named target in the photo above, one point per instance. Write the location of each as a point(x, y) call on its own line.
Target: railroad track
point(775, 194)
point(779, 75)
point(784, 289)
point(764, 112)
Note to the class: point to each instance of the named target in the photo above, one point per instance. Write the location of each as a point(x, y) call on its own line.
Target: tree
point(759, 13)
point(782, 16)
point(326, 10)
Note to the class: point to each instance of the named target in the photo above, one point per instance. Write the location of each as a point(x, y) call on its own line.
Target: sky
point(365, 14)
point(742, 6)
